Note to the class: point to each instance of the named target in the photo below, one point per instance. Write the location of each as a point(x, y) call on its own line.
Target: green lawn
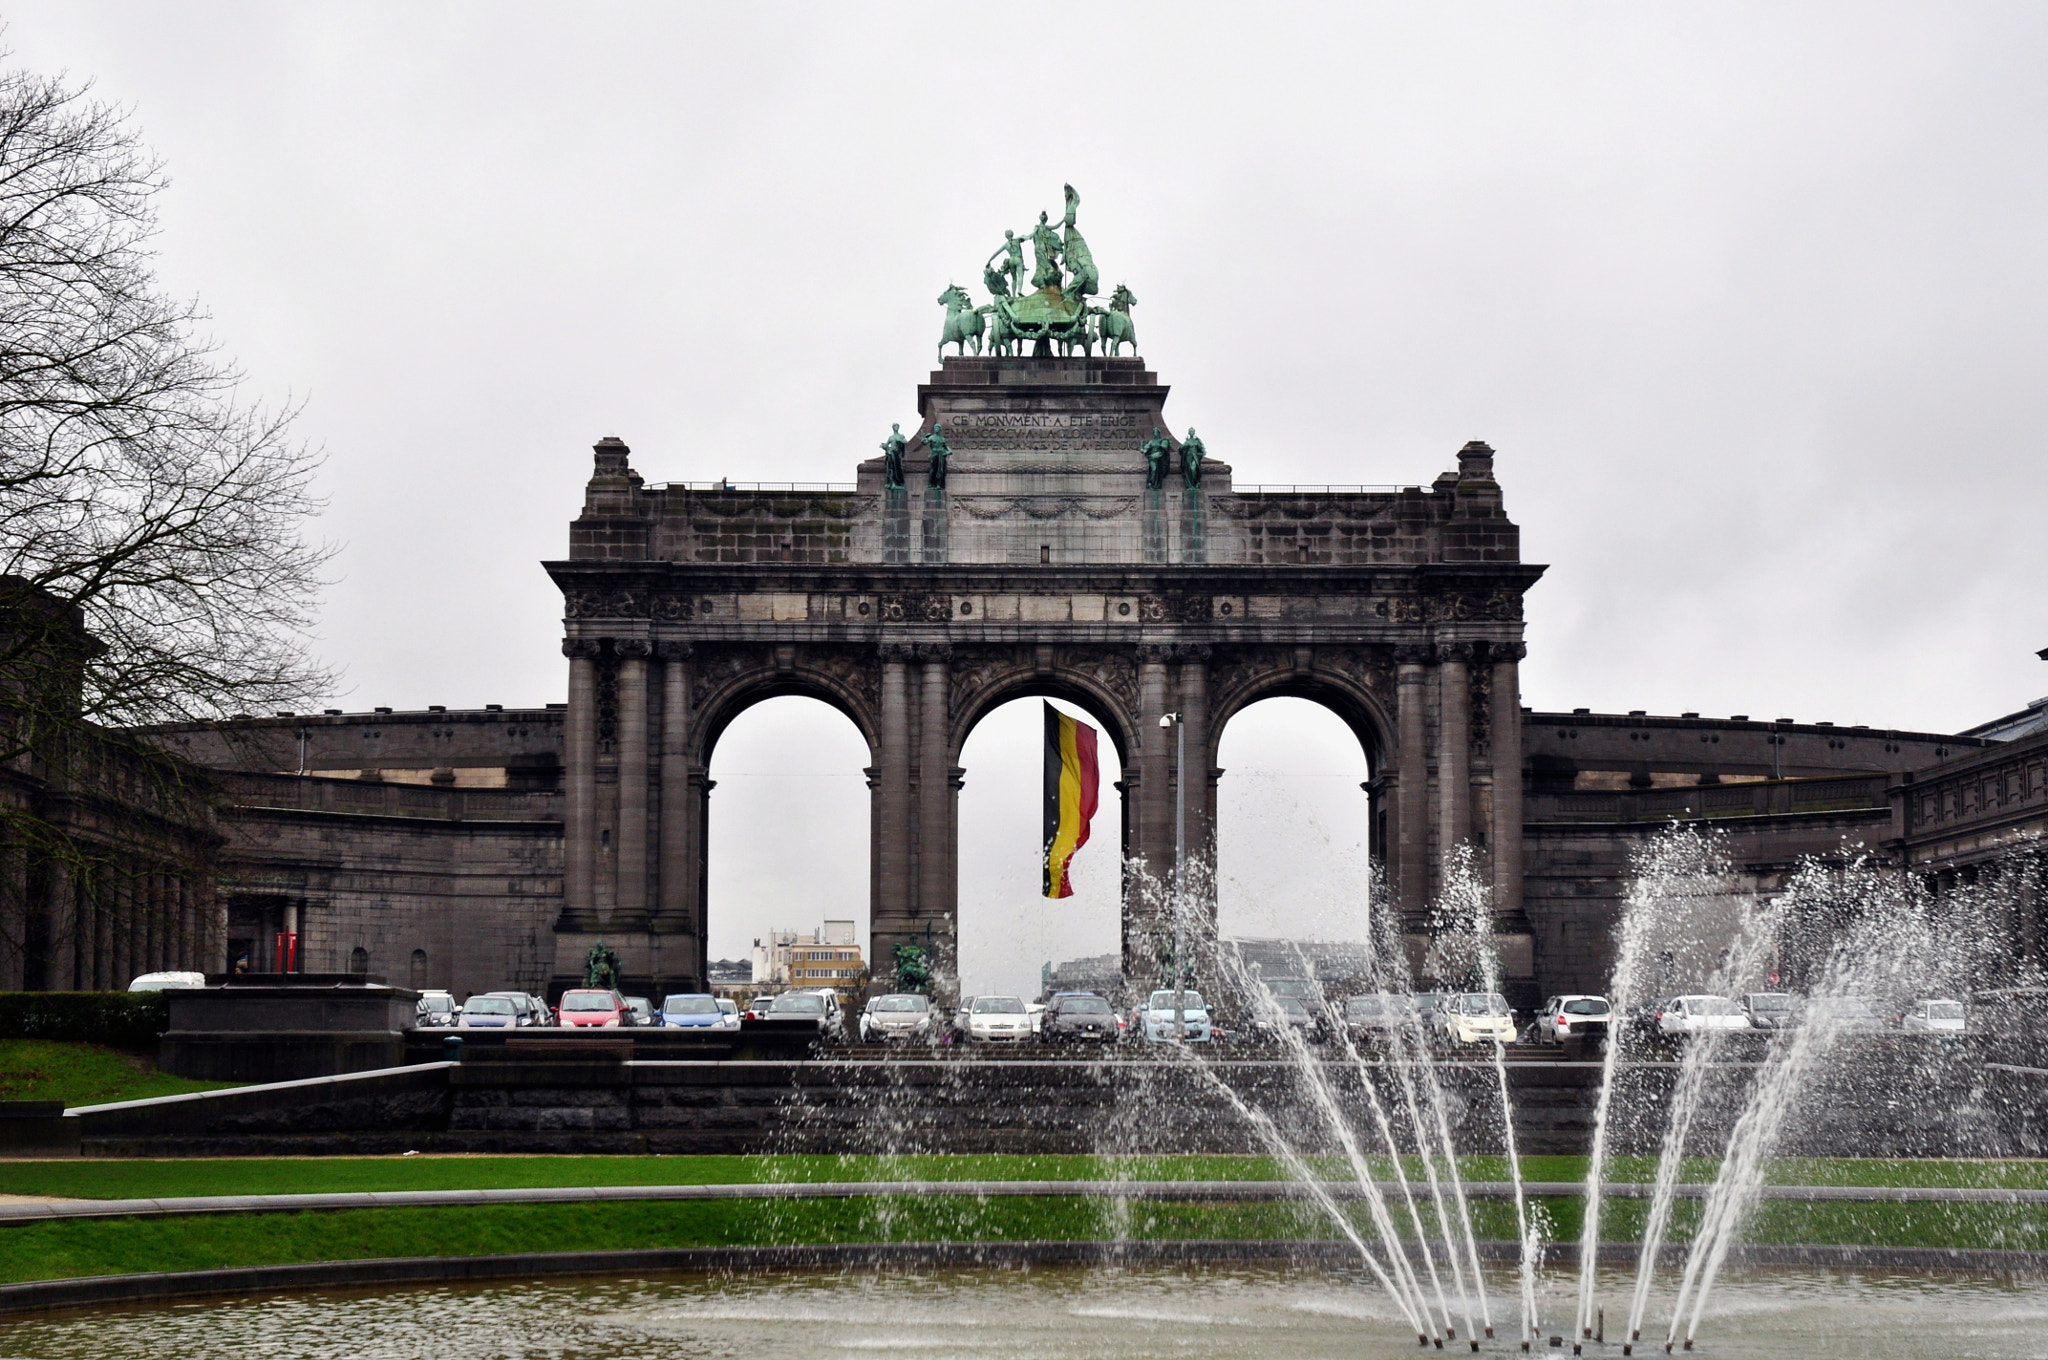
point(84, 1074)
point(110, 1179)
point(55, 1250)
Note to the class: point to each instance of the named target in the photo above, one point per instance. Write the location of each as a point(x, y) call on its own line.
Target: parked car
point(962, 1013)
point(435, 1010)
point(1573, 1016)
point(999, 1018)
point(543, 1014)
point(1769, 1012)
point(1155, 1018)
point(167, 982)
point(1374, 1016)
point(522, 1007)
point(1036, 1010)
point(1432, 1012)
point(821, 1007)
point(640, 1011)
point(728, 1013)
point(1269, 1018)
point(1697, 1014)
point(758, 1008)
point(592, 1008)
point(690, 1010)
point(1478, 1018)
point(900, 1015)
point(488, 1011)
point(1933, 1015)
point(1846, 1014)
point(1079, 1017)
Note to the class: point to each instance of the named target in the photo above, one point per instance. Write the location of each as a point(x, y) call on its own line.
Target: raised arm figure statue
point(938, 451)
point(892, 458)
point(1192, 452)
point(1006, 279)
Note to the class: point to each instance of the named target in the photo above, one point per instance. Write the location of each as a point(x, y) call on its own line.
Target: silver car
point(902, 1015)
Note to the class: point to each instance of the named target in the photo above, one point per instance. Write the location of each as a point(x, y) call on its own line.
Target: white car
point(900, 1015)
point(1564, 1018)
point(1933, 1016)
point(999, 1018)
point(1156, 1019)
point(1479, 1018)
point(167, 982)
point(728, 1013)
point(1697, 1014)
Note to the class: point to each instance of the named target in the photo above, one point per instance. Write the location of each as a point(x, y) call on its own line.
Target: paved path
point(43, 1211)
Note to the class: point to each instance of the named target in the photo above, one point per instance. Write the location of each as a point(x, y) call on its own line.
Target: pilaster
point(579, 788)
point(1411, 791)
point(630, 894)
point(1454, 746)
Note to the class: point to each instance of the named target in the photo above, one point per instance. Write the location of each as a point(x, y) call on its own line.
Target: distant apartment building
point(827, 957)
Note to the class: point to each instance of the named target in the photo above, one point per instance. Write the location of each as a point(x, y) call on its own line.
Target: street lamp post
point(1180, 852)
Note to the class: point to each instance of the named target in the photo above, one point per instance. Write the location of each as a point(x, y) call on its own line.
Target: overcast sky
point(1748, 297)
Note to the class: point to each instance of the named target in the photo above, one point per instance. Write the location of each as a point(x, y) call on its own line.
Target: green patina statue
point(601, 967)
point(1045, 245)
point(1157, 451)
point(1114, 327)
point(913, 967)
point(963, 322)
point(1082, 280)
point(892, 458)
point(1192, 452)
point(1005, 279)
point(938, 451)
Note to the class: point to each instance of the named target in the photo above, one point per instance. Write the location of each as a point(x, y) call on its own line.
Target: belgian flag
point(1070, 788)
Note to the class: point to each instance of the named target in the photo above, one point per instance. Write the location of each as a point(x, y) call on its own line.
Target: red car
point(587, 1007)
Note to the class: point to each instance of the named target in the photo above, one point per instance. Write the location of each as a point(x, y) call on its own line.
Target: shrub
point(117, 1019)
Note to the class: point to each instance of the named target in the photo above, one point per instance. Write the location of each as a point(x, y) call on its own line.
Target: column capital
point(1192, 651)
point(668, 650)
point(1155, 653)
point(1507, 651)
point(897, 651)
point(1456, 652)
point(932, 651)
point(1413, 654)
point(580, 649)
point(632, 649)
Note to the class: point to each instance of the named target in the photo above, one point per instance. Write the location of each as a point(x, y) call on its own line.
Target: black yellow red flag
point(1070, 789)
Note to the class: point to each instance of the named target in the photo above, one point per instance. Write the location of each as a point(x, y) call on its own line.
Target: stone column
point(14, 916)
point(631, 892)
point(60, 913)
point(1198, 788)
point(579, 813)
point(1454, 745)
point(1507, 778)
point(106, 898)
point(937, 881)
point(893, 815)
point(122, 893)
point(1155, 764)
point(1411, 792)
point(678, 910)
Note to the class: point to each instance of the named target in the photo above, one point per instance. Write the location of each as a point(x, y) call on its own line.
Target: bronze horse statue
point(1115, 326)
point(963, 322)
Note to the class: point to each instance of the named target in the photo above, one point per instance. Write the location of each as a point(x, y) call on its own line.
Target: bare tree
point(153, 563)
point(134, 485)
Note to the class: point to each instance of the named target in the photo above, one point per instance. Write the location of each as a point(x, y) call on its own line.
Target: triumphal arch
point(1040, 531)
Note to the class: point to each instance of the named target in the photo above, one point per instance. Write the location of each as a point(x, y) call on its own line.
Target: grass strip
point(96, 1178)
point(85, 1074)
point(67, 1249)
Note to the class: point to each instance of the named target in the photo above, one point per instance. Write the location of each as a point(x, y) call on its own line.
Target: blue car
point(691, 1010)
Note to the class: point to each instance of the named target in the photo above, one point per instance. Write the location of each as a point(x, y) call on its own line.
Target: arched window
point(419, 969)
point(359, 960)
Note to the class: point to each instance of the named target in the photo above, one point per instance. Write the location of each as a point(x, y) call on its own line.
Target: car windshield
point(1711, 1005)
point(1163, 1001)
point(437, 1003)
point(1774, 1002)
point(998, 1005)
point(1585, 1005)
point(588, 1001)
point(791, 1004)
point(486, 1005)
point(1944, 1010)
point(690, 1005)
point(1083, 1005)
point(1290, 1005)
point(899, 1003)
point(1296, 987)
point(1483, 1003)
point(1364, 1008)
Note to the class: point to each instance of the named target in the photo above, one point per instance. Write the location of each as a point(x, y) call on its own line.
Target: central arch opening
point(787, 844)
point(1293, 844)
point(1010, 934)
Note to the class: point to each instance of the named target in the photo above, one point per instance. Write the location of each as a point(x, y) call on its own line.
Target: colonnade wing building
point(493, 848)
